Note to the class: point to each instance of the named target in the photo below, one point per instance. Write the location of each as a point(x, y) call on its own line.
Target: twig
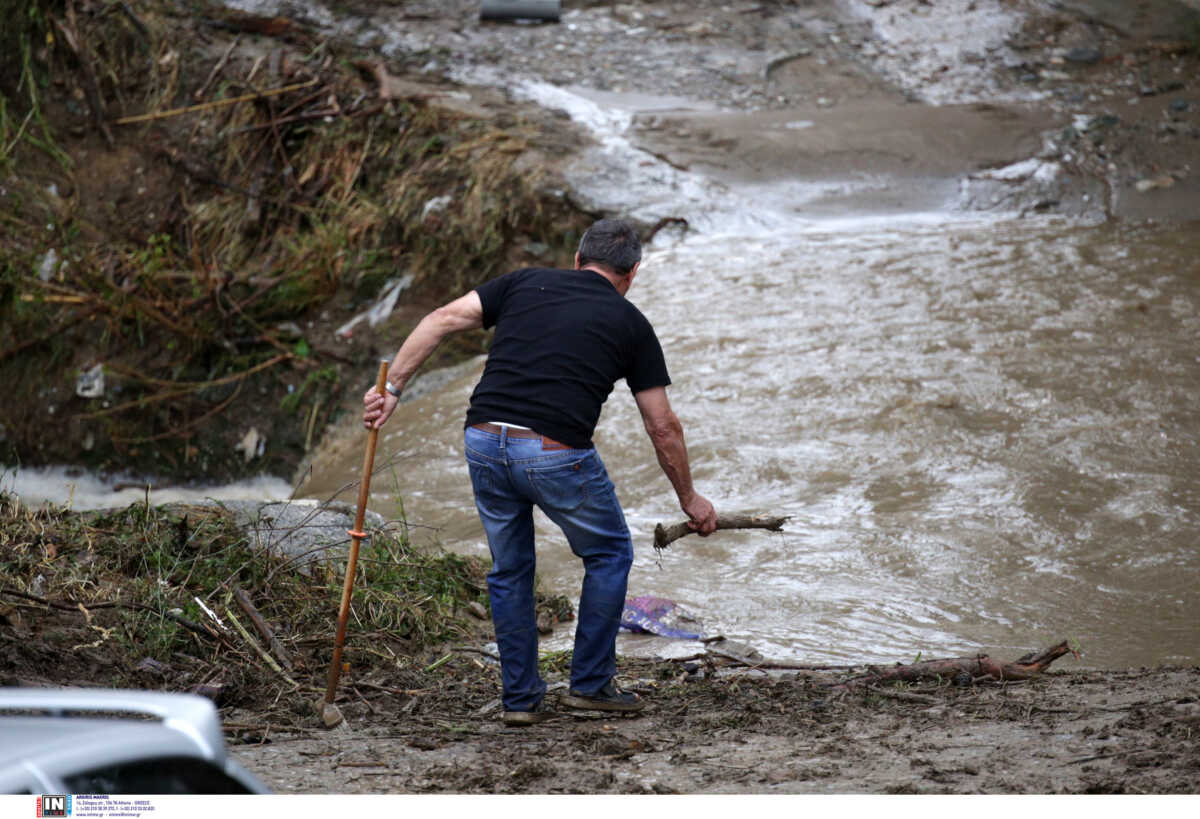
point(199, 95)
point(407, 692)
point(438, 664)
point(662, 223)
point(73, 605)
point(258, 649)
point(205, 106)
point(665, 535)
point(182, 387)
point(260, 624)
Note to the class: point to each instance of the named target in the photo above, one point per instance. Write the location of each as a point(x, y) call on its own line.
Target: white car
point(104, 741)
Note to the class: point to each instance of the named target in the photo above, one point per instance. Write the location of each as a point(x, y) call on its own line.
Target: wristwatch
point(391, 388)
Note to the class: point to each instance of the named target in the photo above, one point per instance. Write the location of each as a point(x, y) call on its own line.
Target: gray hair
point(612, 243)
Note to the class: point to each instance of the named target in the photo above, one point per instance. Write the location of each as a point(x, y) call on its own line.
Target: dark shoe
point(540, 714)
point(608, 698)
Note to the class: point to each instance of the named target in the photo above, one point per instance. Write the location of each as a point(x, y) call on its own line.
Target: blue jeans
point(572, 487)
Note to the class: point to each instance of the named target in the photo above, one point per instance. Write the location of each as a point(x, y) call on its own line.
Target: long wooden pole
point(329, 712)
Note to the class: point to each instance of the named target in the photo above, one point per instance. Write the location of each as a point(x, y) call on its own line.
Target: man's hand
point(703, 517)
point(377, 408)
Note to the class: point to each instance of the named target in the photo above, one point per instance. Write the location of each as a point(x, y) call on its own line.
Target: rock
point(1102, 122)
point(1033, 185)
point(1179, 107)
point(1086, 55)
point(477, 610)
point(305, 530)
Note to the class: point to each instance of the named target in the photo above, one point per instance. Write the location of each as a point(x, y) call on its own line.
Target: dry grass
point(137, 584)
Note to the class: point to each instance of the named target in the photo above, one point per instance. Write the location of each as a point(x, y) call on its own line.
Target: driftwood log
point(1024, 668)
point(665, 535)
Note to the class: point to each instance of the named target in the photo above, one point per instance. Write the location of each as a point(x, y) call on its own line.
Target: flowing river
point(983, 429)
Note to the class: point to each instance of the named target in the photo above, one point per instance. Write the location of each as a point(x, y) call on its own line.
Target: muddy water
point(985, 432)
point(984, 429)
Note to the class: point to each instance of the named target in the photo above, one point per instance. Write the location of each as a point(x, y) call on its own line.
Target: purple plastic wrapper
point(653, 615)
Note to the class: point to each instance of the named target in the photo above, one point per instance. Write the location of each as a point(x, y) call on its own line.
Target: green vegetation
point(139, 582)
point(27, 31)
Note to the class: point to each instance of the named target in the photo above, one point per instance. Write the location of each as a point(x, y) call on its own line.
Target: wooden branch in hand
point(665, 535)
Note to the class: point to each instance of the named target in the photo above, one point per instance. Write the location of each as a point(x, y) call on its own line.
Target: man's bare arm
point(666, 433)
point(464, 313)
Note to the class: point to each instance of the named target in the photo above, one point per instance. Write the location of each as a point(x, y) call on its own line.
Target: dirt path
point(1069, 732)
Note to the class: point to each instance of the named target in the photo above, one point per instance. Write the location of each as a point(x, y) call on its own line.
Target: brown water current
point(984, 430)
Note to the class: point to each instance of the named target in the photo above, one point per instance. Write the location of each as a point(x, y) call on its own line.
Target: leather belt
point(496, 429)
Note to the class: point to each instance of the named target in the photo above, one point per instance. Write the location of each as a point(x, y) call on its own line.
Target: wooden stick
point(258, 649)
point(665, 535)
point(328, 711)
point(199, 95)
point(205, 106)
point(261, 626)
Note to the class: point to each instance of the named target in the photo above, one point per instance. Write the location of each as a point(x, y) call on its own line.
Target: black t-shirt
point(563, 338)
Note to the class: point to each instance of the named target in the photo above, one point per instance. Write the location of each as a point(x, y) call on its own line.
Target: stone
point(1085, 55)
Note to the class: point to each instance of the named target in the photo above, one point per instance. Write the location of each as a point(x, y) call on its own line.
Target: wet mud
point(1069, 732)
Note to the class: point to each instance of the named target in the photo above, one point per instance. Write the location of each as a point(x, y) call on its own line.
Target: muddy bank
point(1072, 732)
point(199, 244)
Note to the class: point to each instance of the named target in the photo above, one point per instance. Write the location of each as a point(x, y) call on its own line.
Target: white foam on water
point(72, 488)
